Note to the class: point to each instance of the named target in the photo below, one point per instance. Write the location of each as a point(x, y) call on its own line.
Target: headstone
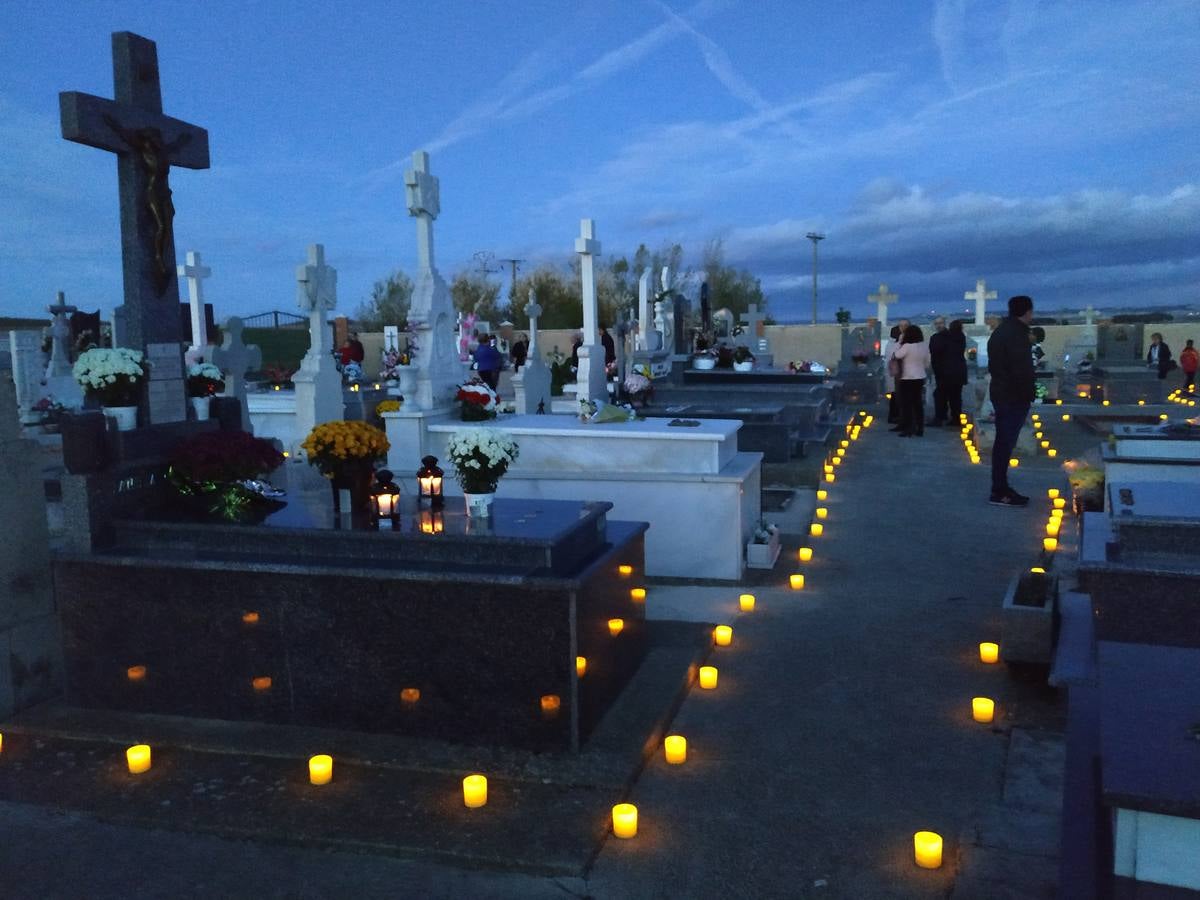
point(1121, 343)
point(532, 384)
point(705, 309)
point(195, 273)
point(391, 338)
point(60, 383)
point(147, 144)
point(649, 338)
point(723, 324)
point(592, 384)
point(882, 300)
point(82, 323)
point(235, 359)
point(751, 327)
point(431, 314)
point(980, 295)
point(318, 384)
point(27, 368)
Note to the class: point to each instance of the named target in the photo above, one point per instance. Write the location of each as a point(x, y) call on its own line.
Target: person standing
point(1189, 361)
point(939, 360)
point(487, 361)
point(519, 351)
point(956, 369)
point(913, 356)
point(1012, 390)
point(891, 369)
point(1159, 355)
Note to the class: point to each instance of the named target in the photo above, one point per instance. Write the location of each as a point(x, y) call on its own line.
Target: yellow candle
point(1052, 529)
point(616, 626)
point(982, 709)
point(796, 580)
point(638, 595)
point(580, 666)
point(837, 460)
point(550, 703)
point(1162, 417)
point(474, 791)
point(250, 618)
point(320, 768)
point(136, 673)
point(1052, 453)
point(722, 635)
point(816, 529)
point(927, 847)
point(625, 569)
point(1037, 570)
point(1104, 403)
point(829, 479)
point(1050, 544)
point(841, 451)
point(410, 695)
point(843, 444)
point(261, 683)
point(1066, 417)
point(1, 741)
point(708, 677)
point(137, 758)
point(1059, 502)
point(1045, 445)
point(675, 747)
point(804, 554)
point(1141, 403)
point(822, 512)
point(1058, 402)
point(746, 602)
point(989, 652)
point(624, 816)
point(1052, 493)
point(822, 494)
point(828, 468)
point(1013, 463)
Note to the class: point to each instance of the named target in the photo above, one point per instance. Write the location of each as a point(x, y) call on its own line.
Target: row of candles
point(1181, 397)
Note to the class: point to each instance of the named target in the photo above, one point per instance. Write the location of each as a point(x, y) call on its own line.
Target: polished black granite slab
point(758, 376)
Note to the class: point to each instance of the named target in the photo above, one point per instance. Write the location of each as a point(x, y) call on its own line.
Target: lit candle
point(822, 512)
point(927, 846)
point(822, 494)
point(387, 504)
point(550, 704)
point(722, 635)
point(982, 709)
point(675, 747)
point(1037, 570)
point(625, 569)
point(816, 529)
point(828, 468)
point(250, 618)
point(746, 602)
point(830, 479)
point(435, 484)
point(1052, 453)
point(1066, 417)
point(1056, 515)
point(638, 595)
point(580, 666)
point(624, 817)
point(1059, 502)
point(1104, 403)
point(1052, 493)
point(1058, 402)
point(616, 626)
point(1013, 463)
point(841, 451)
point(1162, 417)
point(426, 484)
point(804, 554)
point(843, 444)
point(136, 673)
point(320, 768)
point(1141, 403)
point(137, 758)
point(475, 791)
point(989, 652)
point(1050, 544)
point(837, 460)
point(277, 387)
point(261, 683)
point(409, 696)
point(708, 677)
point(796, 580)
point(1, 741)
point(1045, 445)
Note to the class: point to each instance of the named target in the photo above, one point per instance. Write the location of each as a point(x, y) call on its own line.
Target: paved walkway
point(840, 726)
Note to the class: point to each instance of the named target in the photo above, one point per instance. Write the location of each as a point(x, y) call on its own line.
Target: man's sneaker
point(1012, 498)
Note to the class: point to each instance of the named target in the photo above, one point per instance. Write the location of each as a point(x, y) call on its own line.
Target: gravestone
point(60, 383)
point(82, 323)
point(860, 368)
point(28, 365)
point(234, 358)
point(30, 666)
point(1120, 371)
point(882, 300)
point(723, 324)
point(981, 295)
point(318, 383)
point(532, 383)
point(590, 379)
point(649, 338)
point(147, 143)
point(1120, 344)
point(752, 337)
point(195, 273)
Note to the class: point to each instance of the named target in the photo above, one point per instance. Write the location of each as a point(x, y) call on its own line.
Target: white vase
point(125, 416)
point(201, 406)
point(704, 363)
point(479, 505)
point(747, 366)
point(407, 380)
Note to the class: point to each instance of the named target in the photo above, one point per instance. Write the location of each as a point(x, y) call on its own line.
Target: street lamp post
point(815, 236)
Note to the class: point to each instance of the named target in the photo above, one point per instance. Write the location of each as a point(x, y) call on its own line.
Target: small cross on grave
point(195, 275)
point(316, 293)
point(234, 358)
point(1089, 316)
point(754, 320)
point(882, 300)
point(421, 191)
point(980, 295)
point(60, 333)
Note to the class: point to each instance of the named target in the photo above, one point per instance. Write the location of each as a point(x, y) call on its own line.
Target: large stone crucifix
point(195, 274)
point(981, 295)
point(882, 300)
point(421, 195)
point(590, 377)
point(147, 144)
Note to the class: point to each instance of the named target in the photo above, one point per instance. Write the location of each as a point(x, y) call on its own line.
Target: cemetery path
point(842, 720)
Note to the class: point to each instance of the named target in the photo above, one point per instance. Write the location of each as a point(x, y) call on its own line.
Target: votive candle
point(830, 479)
point(816, 529)
point(261, 683)
point(675, 749)
point(989, 652)
point(1013, 463)
point(1066, 417)
point(1060, 502)
point(1052, 529)
point(475, 791)
point(927, 849)
point(638, 595)
point(796, 580)
point(746, 602)
point(616, 626)
point(320, 768)
point(550, 704)
point(822, 512)
point(136, 673)
point(624, 816)
point(708, 677)
point(1050, 544)
point(409, 696)
point(1052, 453)
point(580, 666)
point(722, 635)
point(983, 709)
point(250, 618)
point(625, 569)
point(804, 554)
point(822, 494)
point(137, 758)
point(1052, 493)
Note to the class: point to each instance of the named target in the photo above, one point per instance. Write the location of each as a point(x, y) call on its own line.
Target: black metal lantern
point(385, 496)
point(429, 481)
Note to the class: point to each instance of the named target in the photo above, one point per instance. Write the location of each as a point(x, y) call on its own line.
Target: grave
point(591, 381)
point(532, 384)
point(860, 369)
point(978, 331)
point(28, 366)
point(1120, 373)
point(318, 394)
point(649, 350)
point(60, 383)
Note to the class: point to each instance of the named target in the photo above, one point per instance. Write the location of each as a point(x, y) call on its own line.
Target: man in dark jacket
point(1159, 355)
point(1011, 367)
point(939, 361)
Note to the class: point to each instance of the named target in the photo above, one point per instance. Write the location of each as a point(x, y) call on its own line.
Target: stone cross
point(316, 293)
point(980, 295)
point(421, 193)
point(531, 386)
point(195, 275)
point(234, 358)
point(533, 311)
point(147, 144)
point(590, 377)
point(318, 383)
point(1089, 315)
point(753, 320)
point(882, 300)
point(60, 333)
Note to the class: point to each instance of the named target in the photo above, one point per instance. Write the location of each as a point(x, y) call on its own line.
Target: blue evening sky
point(1049, 147)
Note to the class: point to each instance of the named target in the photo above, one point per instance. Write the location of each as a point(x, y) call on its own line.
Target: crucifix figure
point(980, 295)
point(147, 144)
point(882, 300)
point(195, 274)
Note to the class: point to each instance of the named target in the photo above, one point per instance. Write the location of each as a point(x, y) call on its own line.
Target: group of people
point(1159, 357)
point(910, 358)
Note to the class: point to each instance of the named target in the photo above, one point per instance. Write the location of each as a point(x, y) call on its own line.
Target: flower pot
point(354, 477)
point(479, 505)
point(747, 366)
point(704, 363)
point(762, 556)
point(201, 407)
point(472, 412)
point(125, 416)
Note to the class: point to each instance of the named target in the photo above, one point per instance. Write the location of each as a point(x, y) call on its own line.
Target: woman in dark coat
point(956, 368)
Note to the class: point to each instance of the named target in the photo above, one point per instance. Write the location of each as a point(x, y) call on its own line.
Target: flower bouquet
point(389, 369)
point(478, 401)
point(480, 456)
point(204, 380)
point(218, 472)
point(114, 374)
point(345, 453)
point(639, 388)
point(387, 406)
point(278, 375)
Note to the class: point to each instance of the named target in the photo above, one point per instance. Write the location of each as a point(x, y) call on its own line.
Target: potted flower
point(763, 549)
point(278, 375)
point(114, 375)
point(346, 453)
point(639, 387)
point(478, 401)
point(218, 472)
point(203, 381)
point(480, 456)
point(704, 359)
point(1039, 392)
point(1087, 486)
point(743, 360)
point(49, 409)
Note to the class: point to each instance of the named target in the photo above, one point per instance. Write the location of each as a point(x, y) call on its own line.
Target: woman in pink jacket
point(913, 356)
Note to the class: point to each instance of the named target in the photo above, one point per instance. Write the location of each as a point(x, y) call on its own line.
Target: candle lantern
point(138, 758)
point(624, 818)
point(429, 481)
point(722, 635)
point(320, 768)
point(580, 666)
point(983, 709)
point(989, 652)
point(385, 496)
point(708, 677)
point(675, 748)
point(746, 602)
point(475, 791)
point(927, 848)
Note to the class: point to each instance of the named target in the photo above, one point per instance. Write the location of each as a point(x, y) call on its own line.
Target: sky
point(1052, 148)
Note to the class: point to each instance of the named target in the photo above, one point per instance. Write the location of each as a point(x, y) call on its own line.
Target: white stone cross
point(316, 292)
point(533, 311)
point(588, 248)
point(665, 278)
point(60, 333)
point(421, 193)
point(753, 319)
point(980, 295)
point(1089, 315)
point(195, 275)
point(882, 300)
point(235, 359)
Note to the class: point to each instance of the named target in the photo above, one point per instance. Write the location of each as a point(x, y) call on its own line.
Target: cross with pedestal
point(882, 299)
point(533, 311)
point(980, 295)
point(754, 319)
point(1089, 316)
point(234, 358)
point(60, 333)
point(318, 384)
point(195, 275)
point(421, 192)
point(590, 377)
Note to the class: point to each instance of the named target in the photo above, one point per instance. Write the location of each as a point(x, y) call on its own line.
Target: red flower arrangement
point(224, 457)
point(478, 401)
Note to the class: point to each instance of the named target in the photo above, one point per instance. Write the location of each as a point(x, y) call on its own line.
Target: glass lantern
point(385, 496)
point(429, 481)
